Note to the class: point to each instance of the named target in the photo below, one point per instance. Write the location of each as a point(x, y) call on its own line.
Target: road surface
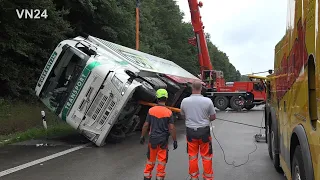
point(126, 161)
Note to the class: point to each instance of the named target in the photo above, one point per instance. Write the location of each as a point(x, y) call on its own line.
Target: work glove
point(142, 140)
point(175, 145)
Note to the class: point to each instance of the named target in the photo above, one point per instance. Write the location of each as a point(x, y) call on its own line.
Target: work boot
point(145, 178)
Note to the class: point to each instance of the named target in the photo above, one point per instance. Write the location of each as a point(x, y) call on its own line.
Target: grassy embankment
point(20, 121)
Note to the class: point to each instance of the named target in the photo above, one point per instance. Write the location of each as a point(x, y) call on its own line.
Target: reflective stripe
point(161, 174)
point(162, 163)
point(208, 175)
point(195, 173)
point(147, 174)
point(193, 178)
point(160, 178)
point(149, 162)
point(207, 158)
point(193, 157)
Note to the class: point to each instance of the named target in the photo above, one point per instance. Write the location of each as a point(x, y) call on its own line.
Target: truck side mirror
point(131, 74)
point(135, 76)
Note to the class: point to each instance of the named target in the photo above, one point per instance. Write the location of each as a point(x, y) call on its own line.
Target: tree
point(26, 44)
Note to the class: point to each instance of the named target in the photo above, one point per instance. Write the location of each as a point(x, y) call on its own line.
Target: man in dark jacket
point(161, 123)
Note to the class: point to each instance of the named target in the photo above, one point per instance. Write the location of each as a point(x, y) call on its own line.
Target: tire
point(116, 135)
point(249, 107)
point(265, 124)
point(178, 116)
point(275, 157)
point(135, 121)
point(158, 83)
point(268, 137)
point(171, 86)
point(145, 92)
point(297, 169)
point(221, 102)
point(233, 103)
point(142, 116)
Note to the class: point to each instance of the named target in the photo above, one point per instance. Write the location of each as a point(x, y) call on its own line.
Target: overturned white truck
point(95, 86)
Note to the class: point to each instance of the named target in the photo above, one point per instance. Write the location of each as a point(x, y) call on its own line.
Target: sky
point(246, 30)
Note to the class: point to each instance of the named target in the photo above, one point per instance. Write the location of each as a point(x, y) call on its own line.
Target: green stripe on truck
point(77, 88)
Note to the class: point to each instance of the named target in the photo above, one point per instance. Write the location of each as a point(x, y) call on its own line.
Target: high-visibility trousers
point(154, 151)
point(193, 146)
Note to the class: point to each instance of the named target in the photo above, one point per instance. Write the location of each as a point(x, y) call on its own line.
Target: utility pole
point(137, 24)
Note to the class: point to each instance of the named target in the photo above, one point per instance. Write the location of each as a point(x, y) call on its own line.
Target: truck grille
point(101, 108)
point(111, 105)
point(88, 94)
point(106, 114)
point(95, 104)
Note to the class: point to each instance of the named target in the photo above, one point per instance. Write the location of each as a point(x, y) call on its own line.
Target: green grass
point(20, 121)
point(36, 133)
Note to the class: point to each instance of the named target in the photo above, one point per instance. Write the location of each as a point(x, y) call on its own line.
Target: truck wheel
point(158, 83)
point(268, 136)
point(298, 171)
point(234, 103)
point(116, 135)
point(275, 157)
point(221, 102)
point(249, 107)
point(171, 86)
point(135, 121)
point(145, 92)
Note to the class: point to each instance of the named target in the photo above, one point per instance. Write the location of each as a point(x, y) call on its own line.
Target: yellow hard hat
point(161, 93)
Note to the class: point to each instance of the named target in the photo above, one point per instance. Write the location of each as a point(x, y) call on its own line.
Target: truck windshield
point(62, 78)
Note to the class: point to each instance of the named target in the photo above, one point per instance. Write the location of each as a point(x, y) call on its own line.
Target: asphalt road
point(126, 161)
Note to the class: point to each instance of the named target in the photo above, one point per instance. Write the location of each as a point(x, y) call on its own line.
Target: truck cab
point(95, 86)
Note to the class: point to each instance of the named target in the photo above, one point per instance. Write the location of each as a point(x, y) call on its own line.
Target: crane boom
point(199, 40)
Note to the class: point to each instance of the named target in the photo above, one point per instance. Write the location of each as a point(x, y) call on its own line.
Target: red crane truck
point(222, 94)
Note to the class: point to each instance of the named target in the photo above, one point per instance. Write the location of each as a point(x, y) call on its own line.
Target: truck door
point(259, 91)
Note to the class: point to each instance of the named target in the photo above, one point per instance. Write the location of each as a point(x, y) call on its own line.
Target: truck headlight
point(90, 135)
point(117, 82)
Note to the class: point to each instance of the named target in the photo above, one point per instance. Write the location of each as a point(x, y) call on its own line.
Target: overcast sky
point(246, 30)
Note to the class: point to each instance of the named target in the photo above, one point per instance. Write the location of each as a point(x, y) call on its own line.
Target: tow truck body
point(292, 108)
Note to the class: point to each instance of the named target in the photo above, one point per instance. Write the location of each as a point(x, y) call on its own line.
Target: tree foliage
point(26, 44)
point(244, 78)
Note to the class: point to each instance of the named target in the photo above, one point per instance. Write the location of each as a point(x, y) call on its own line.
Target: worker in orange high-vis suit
point(161, 123)
point(198, 111)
